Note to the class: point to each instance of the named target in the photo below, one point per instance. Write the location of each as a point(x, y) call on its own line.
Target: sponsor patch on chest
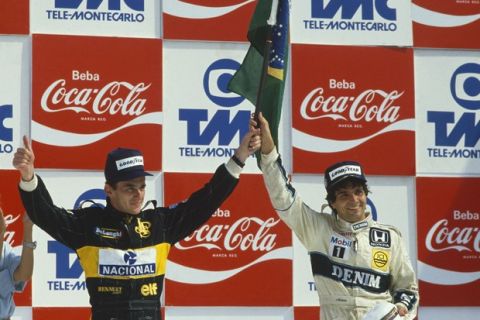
point(380, 260)
point(340, 247)
point(108, 233)
point(129, 263)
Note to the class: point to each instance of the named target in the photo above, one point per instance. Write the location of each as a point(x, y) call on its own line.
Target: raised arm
point(23, 160)
point(25, 269)
point(249, 144)
point(267, 141)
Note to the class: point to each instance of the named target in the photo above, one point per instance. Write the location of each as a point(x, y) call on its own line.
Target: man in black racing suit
point(122, 248)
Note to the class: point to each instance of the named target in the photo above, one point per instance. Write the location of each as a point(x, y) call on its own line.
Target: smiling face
point(127, 196)
point(350, 201)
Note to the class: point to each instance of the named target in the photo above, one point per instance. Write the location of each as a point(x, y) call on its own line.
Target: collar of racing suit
point(348, 227)
point(125, 217)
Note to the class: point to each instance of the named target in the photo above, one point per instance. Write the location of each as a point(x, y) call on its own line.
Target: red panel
point(448, 215)
point(306, 313)
point(231, 25)
point(354, 103)
point(61, 313)
point(91, 87)
point(244, 230)
point(14, 17)
point(463, 34)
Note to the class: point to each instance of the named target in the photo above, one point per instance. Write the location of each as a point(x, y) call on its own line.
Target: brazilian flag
point(269, 39)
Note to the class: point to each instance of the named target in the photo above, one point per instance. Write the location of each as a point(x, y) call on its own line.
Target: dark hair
point(112, 184)
point(353, 182)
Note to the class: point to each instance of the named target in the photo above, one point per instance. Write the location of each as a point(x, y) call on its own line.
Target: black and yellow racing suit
point(124, 256)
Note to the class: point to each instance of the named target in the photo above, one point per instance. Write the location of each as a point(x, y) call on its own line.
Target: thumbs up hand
point(23, 160)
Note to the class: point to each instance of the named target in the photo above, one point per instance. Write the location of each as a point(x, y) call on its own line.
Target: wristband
point(31, 245)
point(237, 161)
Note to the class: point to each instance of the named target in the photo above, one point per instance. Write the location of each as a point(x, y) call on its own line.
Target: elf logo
point(451, 129)
point(328, 9)
point(203, 125)
point(137, 5)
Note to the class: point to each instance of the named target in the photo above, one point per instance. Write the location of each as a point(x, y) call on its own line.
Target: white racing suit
point(354, 265)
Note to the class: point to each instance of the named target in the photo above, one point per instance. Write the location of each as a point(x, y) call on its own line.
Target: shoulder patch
point(380, 238)
point(390, 227)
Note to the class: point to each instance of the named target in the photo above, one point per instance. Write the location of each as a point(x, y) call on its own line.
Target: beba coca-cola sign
point(94, 94)
point(109, 99)
point(448, 224)
point(353, 103)
point(221, 261)
point(363, 106)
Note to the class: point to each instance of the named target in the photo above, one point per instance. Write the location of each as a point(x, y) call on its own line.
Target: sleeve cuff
point(233, 168)
point(29, 186)
point(270, 157)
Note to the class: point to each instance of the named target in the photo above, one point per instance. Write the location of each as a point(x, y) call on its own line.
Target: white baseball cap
point(383, 310)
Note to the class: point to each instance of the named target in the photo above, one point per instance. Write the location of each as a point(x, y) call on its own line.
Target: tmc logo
point(202, 128)
point(373, 209)
point(91, 198)
point(137, 5)
point(349, 8)
point(65, 269)
point(465, 90)
point(465, 86)
point(6, 112)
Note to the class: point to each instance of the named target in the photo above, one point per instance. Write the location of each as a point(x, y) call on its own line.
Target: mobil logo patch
point(211, 130)
point(457, 132)
point(340, 247)
point(348, 113)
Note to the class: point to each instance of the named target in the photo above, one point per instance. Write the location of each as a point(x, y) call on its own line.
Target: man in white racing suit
point(356, 261)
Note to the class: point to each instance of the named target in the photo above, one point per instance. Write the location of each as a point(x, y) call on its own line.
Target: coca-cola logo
point(10, 234)
point(246, 233)
point(115, 97)
point(442, 236)
point(371, 105)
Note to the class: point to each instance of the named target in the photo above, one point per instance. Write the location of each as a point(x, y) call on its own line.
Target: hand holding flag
point(261, 77)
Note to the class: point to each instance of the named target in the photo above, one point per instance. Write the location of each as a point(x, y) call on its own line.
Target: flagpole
point(272, 20)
